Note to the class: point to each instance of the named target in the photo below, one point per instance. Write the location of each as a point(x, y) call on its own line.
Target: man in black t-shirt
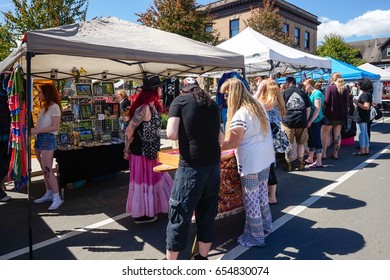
point(194, 120)
point(294, 123)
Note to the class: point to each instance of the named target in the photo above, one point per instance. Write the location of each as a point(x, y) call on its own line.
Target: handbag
point(280, 140)
point(375, 113)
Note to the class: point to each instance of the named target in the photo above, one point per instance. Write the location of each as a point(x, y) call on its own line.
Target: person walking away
point(294, 124)
point(46, 130)
point(273, 102)
point(362, 115)
point(314, 125)
point(249, 134)
point(194, 120)
point(336, 109)
point(148, 190)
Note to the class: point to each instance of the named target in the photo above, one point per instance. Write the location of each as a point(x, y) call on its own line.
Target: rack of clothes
point(14, 84)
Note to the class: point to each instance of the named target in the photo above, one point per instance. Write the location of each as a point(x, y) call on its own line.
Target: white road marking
point(232, 254)
point(59, 238)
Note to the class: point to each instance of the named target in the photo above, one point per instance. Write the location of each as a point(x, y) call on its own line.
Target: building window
point(388, 51)
point(209, 29)
point(307, 40)
point(297, 36)
point(286, 28)
point(234, 27)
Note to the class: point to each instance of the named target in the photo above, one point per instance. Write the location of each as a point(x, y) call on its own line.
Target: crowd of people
point(310, 117)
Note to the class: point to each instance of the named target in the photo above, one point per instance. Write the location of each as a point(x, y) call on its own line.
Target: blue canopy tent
point(348, 71)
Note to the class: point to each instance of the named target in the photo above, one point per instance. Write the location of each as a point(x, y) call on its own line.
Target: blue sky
point(352, 19)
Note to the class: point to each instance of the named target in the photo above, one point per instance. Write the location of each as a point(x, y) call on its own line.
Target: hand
point(34, 131)
point(126, 155)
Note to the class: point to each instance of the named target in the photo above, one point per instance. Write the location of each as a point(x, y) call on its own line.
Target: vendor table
point(89, 162)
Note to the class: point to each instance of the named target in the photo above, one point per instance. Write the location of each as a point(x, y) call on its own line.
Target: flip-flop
point(359, 154)
point(314, 165)
point(307, 162)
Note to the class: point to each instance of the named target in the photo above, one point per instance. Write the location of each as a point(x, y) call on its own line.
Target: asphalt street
point(338, 212)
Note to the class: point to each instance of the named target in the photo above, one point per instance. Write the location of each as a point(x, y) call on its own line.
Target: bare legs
point(325, 139)
point(45, 159)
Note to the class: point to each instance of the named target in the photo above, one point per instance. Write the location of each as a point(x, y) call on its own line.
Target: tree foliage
point(181, 17)
point(266, 20)
point(38, 14)
point(6, 42)
point(335, 47)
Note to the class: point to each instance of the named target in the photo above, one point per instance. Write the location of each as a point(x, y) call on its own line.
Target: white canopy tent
point(385, 75)
point(107, 49)
point(111, 48)
point(264, 55)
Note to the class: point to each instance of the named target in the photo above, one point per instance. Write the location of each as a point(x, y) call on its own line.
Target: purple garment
point(336, 104)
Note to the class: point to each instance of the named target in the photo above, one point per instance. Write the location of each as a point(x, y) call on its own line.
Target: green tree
point(335, 47)
point(266, 20)
point(6, 42)
point(38, 14)
point(181, 17)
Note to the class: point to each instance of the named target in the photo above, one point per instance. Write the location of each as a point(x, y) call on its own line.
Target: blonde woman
point(248, 132)
point(273, 103)
point(336, 108)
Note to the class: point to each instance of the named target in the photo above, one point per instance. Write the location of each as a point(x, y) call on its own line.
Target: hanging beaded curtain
point(17, 106)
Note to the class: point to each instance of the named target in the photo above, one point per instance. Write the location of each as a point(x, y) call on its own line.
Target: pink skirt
point(149, 191)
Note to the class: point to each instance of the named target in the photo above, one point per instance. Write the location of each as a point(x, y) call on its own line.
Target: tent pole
point(29, 120)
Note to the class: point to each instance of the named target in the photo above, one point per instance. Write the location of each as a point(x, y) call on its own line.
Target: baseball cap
point(187, 84)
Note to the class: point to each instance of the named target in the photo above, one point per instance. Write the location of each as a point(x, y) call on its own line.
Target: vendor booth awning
point(385, 75)
point(347, 71)
point(263, 54)
point(115, 49)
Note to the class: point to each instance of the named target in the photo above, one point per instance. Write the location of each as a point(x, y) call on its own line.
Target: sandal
point(307, 162)
point(359, 154)
point(314, 165)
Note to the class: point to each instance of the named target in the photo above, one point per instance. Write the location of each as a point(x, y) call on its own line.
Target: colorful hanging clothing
point(17, 141)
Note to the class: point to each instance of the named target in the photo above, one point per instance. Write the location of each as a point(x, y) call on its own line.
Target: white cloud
point(371, 24)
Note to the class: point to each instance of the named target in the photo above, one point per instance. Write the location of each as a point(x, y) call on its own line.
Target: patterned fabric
point(17, 107)
point(230, 192)
point(258, 222)
point(149, 133)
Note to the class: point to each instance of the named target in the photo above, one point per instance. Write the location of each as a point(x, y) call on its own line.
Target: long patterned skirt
point(258, 222)
point(149, 191)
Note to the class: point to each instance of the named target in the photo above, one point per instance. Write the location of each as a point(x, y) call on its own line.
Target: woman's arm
point(233, 138)
point(317, 105)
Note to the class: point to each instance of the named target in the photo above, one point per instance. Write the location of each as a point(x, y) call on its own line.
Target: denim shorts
point(194, 189)
point(45, 142)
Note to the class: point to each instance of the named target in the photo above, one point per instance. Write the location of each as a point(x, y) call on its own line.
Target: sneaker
point(287, 166)
point(56, 204)
point(145, 219)
point(47, 197)
point(5, 198)
point(300, 165)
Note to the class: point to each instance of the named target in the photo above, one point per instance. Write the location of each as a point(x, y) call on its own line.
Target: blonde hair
point(122, 93)
point(337, 79)
point(239, 97)
point(271, 95)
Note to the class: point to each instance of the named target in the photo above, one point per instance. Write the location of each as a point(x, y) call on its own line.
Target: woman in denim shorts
point(46, 130)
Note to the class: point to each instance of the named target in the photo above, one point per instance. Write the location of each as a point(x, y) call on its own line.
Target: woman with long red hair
point(46, 130)
point(149, 191)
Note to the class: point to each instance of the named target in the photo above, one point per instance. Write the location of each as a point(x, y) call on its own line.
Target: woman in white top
point(249, 133)
point(46, 130)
